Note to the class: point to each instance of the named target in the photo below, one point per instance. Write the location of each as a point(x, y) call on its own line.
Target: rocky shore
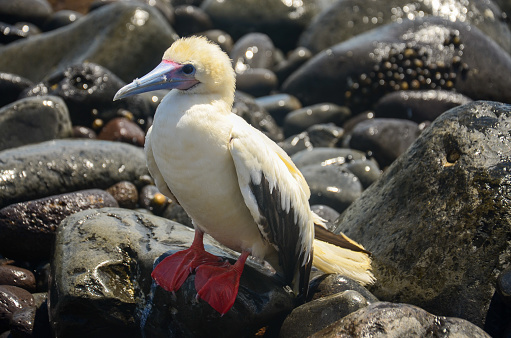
point(397, 113)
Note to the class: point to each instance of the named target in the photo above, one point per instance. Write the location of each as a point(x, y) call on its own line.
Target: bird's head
point(192, 65)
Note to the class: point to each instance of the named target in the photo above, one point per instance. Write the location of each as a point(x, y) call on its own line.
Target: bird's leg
point(218, 283)
point(172, 271)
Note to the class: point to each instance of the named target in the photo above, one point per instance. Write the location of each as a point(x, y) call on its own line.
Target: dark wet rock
point(22, 322)
point(331, 185)
point(423, 54)
point(367, 171)
point(109, 291)
point(35, 11)
point(28, 28)
point(296, 143)
point(256, 81)
point(16, 276)
point(88, 90)
point(384, 319)
point(60, 166)
point(279, 105)
point(418, 105)
point(345, 19)
point(504, 285)
point(327, 213)
point(294, 60)
point(326, 156)
point(252, 112)
point(386, 139)
point(152, 199)
point(125, 193)
point(299, 120)
point(33, 120)
point(11, 86)
point(123, 130)
point(120, 37)
point(42, 273)
point(60, 19)
point(221, 38)
point(84, 132)
point(325, 135)
point(162, 6)
point(435, 221)
point(191, 20)
point(176, 213)
point(282, 22)
point(319, 313)
point(42, 327)
point(10, 33)
point(330, 284)
point(28, 229)
point(353, 121)
point(254, 50)
point(12, 300)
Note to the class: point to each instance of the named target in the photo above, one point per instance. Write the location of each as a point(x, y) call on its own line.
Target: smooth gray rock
point(253, 50)
point(383, 319)
point(405, 56)
point(386, 139)
point(109, 291)
point(437, 221)
point(319, 313)
point(325, 135)
point(127, 38)
point(326, 156)
point(348, 18)
point(299, 120)
point(55, 167)
point(330, 284)
point(33, 120)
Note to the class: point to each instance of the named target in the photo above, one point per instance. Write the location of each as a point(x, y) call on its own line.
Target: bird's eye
point(188, 69)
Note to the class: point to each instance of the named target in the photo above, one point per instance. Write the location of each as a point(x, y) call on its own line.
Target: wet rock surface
point(444, 190)
point(386, 319)
point(60, 166)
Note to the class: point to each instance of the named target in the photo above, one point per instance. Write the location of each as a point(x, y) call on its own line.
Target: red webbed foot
point(172, 271)
point(218, 283)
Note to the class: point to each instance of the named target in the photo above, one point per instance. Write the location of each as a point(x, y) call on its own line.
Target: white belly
point(196, 164)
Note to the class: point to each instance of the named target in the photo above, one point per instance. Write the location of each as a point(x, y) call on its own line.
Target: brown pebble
point(83, 132)
point(12, 300)
point(16, 276)
point(123, 130)
point(125, 193)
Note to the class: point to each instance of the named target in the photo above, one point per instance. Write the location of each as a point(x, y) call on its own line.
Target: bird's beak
point(167, 75)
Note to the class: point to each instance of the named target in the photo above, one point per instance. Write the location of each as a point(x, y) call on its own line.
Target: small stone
point(12, 300)
point(504, 285)
point(296, 143)
point(252, 51)
point(22, 322)
point(176, 213)
point(317, 314)
point(34, 120)
point(327, 285)
point(84, 132)
point(27, 229)
point(327, 213)
point(10, 33)
point(294, 60)
point(125, 193)
point(306, 117)
point(332, 185)
point(16, 276)
point(326, 156)
point(123, 130)
point(35, 11)
point(191, 20)
point(279, 105)
point(367, 171)
point(152, 199)
point(256, 81)
point(325, 135)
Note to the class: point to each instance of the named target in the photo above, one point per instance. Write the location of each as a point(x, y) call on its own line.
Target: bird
point(236, 184)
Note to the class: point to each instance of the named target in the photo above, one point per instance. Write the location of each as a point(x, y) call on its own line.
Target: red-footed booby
point(234, 182)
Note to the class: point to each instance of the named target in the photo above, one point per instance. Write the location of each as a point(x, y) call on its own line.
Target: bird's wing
point(153, 169)
point(277, 196)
